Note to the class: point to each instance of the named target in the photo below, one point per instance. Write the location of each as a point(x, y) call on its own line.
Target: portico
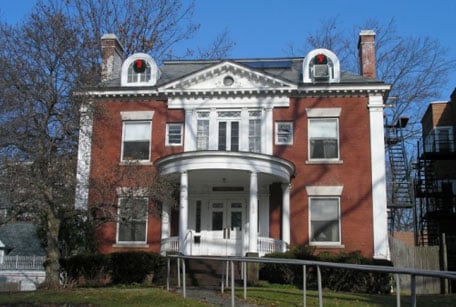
point(224, 202)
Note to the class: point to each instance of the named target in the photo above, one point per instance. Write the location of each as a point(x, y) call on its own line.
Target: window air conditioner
point(320, 72)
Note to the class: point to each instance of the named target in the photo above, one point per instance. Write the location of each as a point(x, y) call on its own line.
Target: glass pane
point(235, 136)
point(324, 209)
point(222, 136)
point(323, 149)
point(325, 231)
point(198, 216)
point(217, 220)
point(132, 231)
point(136, 151)
point(136, 131)
point(323, 128)
point(254, 135)
point(236, 220)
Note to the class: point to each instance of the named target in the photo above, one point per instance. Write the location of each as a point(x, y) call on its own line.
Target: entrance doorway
point(226, 227)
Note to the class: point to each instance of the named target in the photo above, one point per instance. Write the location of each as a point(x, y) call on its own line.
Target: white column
point(253, 213)
point(286, 213)
point(183, 213)
point(380, 222)
point(165, 223)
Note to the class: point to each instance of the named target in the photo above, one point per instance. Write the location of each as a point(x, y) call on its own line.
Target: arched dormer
point(139, 69)
point(321, 65)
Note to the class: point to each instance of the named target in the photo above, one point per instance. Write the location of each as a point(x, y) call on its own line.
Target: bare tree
point(54, 52)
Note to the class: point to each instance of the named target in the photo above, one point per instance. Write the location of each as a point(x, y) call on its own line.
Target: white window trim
point(323, 160)
point(325, 192)
point(325, 243)
point(167, 143)
point(277, 141)
point(135, 194)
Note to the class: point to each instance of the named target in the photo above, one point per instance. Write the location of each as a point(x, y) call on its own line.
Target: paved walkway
point(213, 296)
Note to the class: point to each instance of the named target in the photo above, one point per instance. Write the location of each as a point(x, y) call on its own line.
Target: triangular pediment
point(228, 76)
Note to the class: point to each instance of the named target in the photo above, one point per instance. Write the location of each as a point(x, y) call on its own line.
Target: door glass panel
point(236, 220)
point(217, 220)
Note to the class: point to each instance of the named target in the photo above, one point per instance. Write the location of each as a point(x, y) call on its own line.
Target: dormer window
point(139, 70)
point(321, 65)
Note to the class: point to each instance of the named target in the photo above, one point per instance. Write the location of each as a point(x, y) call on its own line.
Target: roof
point(20, 238)
point(286, 69)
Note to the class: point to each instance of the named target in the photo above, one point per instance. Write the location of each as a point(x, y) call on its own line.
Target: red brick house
point(267, 153)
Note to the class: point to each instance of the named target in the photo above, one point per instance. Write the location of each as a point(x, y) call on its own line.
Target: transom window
point(132, 220)
point(324, 220)
point(324, 138)
point(136, 140)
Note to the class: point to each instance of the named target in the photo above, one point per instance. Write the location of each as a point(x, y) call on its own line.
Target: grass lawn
point(110, 296)
point(277, 295)
point(272, 295)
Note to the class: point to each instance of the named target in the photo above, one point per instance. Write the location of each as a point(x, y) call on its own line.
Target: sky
point(265, 28)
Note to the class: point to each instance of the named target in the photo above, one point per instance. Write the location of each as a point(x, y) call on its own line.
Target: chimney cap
point(367, 32)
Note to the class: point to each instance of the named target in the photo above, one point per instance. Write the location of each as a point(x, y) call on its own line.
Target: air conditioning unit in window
point(320, 72)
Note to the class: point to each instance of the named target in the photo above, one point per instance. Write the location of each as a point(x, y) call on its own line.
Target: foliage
point(116, 268)
point(86, 269)
point(332, 278)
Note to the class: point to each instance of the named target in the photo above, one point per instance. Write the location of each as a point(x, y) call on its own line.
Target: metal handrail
point(304, 263)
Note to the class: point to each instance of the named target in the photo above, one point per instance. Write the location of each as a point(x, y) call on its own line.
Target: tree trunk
point(52, 264)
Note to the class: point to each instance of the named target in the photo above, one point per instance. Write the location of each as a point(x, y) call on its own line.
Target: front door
point(227, 221)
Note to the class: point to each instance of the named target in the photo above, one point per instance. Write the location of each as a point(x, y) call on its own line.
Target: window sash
point(202, 134)
point(324, 220)
point(136, 140)
point(323, 138)
point(134, 77)
point(132, 224)
point(254, 135)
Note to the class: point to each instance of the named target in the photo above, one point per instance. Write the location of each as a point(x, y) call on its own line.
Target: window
point(174, 134)
point(323, 139)
point(132, 223)
point(202, 132)
point(138, 71)
point(440, 140)
point(284, 133)
point(324, 220)
point(136, 140)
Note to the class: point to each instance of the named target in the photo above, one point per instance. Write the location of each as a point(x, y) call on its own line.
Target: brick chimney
point(112, 57)
point(366, 49)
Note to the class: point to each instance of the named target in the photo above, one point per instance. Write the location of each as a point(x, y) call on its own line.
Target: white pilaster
point(286, 213)
point(253, 213)
point(183, 213)
point(190, 130)
point(379, 200)
point(84, 158)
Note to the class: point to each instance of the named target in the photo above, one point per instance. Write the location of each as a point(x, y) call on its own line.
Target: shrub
point(87, 269)
point(133, 267)
point(117, 268)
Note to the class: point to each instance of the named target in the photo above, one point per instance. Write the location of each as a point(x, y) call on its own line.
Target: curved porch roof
point(225, 160)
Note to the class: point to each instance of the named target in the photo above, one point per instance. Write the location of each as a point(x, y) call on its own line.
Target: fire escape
point(400, 191)
point(436, 199)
